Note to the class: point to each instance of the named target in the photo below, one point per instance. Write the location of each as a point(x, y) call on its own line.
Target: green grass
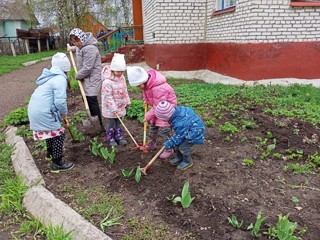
point(11, 63)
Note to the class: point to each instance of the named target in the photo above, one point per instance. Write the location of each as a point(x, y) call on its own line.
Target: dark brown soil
point(219, 181)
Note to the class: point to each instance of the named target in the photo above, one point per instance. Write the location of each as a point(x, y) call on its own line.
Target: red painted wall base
point(251, 61)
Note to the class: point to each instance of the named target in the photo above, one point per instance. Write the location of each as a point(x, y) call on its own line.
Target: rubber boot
point(118, 135)
point(151, 144)
point(58, 165)
point(186, 163)
point(110, 138)
point(177, 160)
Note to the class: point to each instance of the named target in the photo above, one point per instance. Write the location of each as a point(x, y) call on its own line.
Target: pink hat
point(164, 110)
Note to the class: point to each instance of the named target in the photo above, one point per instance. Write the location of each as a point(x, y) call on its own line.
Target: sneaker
point(166, 154)
point(61, 166)
point(151, 146)
point(184, 165)
point(175, 161)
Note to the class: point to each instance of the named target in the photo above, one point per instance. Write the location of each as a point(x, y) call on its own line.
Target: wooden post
point(39, 45)
point(12, 48)
point(26, 42)
point(47, 40)
point(137, 19)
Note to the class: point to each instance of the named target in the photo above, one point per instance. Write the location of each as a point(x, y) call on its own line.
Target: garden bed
point(236, 173)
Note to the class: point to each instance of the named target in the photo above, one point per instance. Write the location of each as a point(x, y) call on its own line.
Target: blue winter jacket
point(48, 101)
point(187, 125)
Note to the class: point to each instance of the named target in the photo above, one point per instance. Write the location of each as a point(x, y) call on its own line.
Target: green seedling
point(295, 199)
point(234, 222)
point(126, 173)
point(228, 128)
point(95, 147)
point(244, 139)
point(79, 116)
point(248, 124)
point(76, 134)
point(255, 229)
point(108, 155)
point(277, 156)
point(247, 162)
point(284, 229)
point(137, 177)
point(185, 199)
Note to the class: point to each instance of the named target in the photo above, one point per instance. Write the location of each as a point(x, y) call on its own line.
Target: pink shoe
point(166, 154)
point(151, 146)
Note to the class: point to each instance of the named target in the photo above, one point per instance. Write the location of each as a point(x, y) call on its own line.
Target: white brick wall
point(184, 21)
point(174, 21)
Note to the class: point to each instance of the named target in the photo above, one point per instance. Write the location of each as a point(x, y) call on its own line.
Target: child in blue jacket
point(189, 130)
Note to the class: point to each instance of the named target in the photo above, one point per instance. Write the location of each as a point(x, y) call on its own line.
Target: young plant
point(126, 173)
point(234, 222)
point(185, 199)
point(108, 155)
point(79, 116)
point(23, 131)
point(255, 229)
point(77, 135)
point(228, 128)
point(95, 146)
point(247, 162)
point(137, 177)
point(284, 229)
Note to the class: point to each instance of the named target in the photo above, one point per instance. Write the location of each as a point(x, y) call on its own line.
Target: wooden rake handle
point(145, 125)
point(86, 105)
point(127, 130)
point(144, 170)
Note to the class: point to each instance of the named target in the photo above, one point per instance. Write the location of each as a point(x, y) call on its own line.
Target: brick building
point(246, 39)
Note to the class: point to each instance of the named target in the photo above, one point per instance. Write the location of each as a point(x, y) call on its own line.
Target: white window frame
point(223, 5)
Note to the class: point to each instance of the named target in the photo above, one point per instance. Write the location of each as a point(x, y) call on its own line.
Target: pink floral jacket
point(157, 90)
point(114, 94)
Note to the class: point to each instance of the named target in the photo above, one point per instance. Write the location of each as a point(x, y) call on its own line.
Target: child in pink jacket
point(114, 99)
point(155, 89)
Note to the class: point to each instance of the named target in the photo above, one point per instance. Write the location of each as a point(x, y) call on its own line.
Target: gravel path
point(18, 85)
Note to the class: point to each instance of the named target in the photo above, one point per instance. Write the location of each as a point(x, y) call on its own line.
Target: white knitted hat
point(118, 63)
point(136, 75)
point(61, 61)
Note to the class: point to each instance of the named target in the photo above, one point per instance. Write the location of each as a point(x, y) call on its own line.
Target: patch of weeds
point(248, 123)
point(18, 116)
point(95, 203)
point(136, 110)
point(23, 131)
point(270, 147)
point(79, 116)
point(313, 140)
point(12, 192)
point(277, 156)
point(6, 170)
point(228, 127)
point(144, 229)
point(295, 199)
point(244, 139)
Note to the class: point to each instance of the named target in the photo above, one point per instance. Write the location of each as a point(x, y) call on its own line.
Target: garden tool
point(145, 124)
point(66, 124)
point(135, 142)
point(85, 122)
point(144, 169)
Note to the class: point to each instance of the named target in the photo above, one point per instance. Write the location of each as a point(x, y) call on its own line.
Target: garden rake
point(145, 124)
point(135, 142)
point(145, 169)
point(85, 122)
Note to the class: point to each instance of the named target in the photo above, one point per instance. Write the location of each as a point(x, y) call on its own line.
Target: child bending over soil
point(189, 130)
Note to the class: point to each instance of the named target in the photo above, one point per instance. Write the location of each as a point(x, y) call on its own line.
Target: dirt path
point(18, 85)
